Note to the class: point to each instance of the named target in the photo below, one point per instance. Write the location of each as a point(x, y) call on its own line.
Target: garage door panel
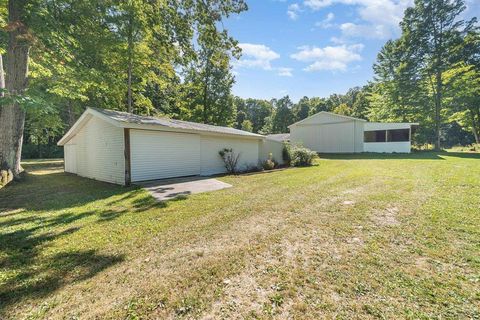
point(159, 154)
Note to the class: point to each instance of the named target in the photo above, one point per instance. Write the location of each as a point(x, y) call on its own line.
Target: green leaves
point(410, 71)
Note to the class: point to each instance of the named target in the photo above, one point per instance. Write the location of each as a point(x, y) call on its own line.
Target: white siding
point(160, 154)
point(359, 128)
point(387, 147)
point(100, 151)
point(370, 126)
point(268, 146)
point(70, 154)
point(211, 163)
point(340, 137)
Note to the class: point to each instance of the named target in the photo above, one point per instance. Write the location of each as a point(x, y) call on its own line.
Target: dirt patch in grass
point(387, 217)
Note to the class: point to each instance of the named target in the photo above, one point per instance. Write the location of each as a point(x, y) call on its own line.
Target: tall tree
point(257, 111)
point(12, 115)
point(116, 54)
point(302, 109)
point(432, 28)
point(283, 116)
point(462, 85)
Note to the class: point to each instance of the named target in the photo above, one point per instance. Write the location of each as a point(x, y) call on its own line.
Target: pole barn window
point(375, 136)
point(398, 135)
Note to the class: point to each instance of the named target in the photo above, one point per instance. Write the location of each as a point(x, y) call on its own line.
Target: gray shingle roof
point(172, 123)
point(279, 137)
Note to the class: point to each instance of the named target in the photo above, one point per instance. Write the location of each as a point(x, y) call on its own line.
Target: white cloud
point(353, 30)
point(327, 22)
point(256, 56)
point(285, 72)
point(337, 40)
point(293, 11)
point(317, 4)
point(333, 58)
point(381, 17)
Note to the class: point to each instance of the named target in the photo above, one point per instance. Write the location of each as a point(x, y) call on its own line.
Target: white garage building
point(327, 132)
point(120, 147)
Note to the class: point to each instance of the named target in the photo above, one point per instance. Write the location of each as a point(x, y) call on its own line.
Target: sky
point(312, 47)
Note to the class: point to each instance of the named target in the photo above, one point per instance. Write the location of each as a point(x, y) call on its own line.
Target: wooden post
point(128, 172)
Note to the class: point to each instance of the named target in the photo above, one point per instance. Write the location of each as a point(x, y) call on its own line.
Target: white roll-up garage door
point(160, 154)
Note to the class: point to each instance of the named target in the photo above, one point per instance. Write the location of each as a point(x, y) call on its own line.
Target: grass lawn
point(358, 236)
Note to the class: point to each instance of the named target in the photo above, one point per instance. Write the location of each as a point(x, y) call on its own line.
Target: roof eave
point(157, 127)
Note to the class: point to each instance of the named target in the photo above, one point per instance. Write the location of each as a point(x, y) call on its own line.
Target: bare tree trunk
point(71, 116)
point(129, 90)
point(12, 116)
point(130, 63)
point(2, 77)
point(206, 81)
point(438, 107)
point(475, 126)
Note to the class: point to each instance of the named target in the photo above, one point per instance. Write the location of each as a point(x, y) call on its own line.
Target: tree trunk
point(475, 126)
point(12, 116)
point(438, 107)
point(130, 62)
point(206, 81)
point(71, 116)
point(129, 90)
point(2, 77)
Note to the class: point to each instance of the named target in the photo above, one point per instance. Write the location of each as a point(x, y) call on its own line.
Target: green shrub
point(269, 164)
point(301, 156)
point(287, 153)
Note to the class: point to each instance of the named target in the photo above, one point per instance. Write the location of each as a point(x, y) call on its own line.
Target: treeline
point(431, 74)
point(173, 59)
point(275, 115)
point(164, 57)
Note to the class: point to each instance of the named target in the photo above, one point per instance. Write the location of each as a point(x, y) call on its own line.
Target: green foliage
point(297, 155)
point(462, 83)
point(287, 153)
point(283, 116)
point(41, 151)
point(247, 125)
point(107, 53)
point(301, 110)
point(42, 125)
point(342, 109)
point(410, 71)
point(301, 156)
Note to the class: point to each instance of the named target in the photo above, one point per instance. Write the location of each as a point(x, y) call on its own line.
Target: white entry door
point(70, 158)
point(160, 154)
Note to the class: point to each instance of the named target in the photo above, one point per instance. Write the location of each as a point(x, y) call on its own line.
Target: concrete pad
point(167, 189)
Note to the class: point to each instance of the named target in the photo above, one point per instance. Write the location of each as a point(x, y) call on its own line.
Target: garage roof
point(281, 137)
point(129, 120)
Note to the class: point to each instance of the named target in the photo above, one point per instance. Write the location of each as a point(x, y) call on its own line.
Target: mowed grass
point(355, 236)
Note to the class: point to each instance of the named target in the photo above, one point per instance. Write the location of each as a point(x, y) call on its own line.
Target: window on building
point(374, 136)
point(398, 135)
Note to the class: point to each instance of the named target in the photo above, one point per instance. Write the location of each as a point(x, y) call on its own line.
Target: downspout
point(128, 167)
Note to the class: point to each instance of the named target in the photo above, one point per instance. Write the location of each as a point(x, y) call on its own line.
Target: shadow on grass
point(29, 223)
point(420, 155)
point(29, 273)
